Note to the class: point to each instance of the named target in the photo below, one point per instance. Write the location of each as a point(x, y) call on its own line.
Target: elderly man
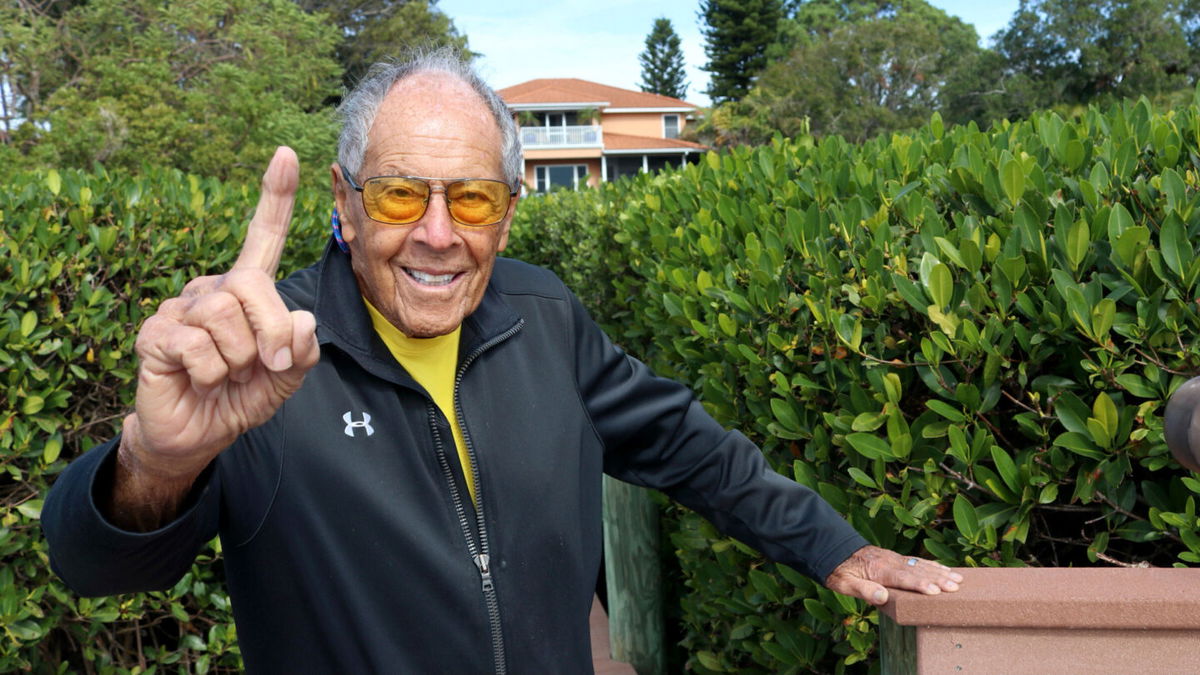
point(401, 446)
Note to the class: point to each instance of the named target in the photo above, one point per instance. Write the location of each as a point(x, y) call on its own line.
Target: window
point(670, 126)
point(557, 119)
point(558, 176)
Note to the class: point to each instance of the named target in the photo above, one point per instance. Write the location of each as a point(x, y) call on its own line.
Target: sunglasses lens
point(395, 200)
point(478, 202)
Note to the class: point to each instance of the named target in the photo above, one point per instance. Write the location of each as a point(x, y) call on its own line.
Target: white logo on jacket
point(352, 424)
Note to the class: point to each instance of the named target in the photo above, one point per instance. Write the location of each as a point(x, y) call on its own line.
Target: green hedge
point(963, 339)
point(84, 259)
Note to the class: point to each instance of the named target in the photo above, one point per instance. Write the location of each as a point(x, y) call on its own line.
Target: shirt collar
point(343, 321)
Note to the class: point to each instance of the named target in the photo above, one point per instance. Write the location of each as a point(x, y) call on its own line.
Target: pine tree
point(737, 35)
point(662, 62)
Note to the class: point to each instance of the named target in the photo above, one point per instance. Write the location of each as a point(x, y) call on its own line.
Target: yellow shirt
point(431, 362)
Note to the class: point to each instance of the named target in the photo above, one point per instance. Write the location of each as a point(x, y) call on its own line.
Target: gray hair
point(359, 107)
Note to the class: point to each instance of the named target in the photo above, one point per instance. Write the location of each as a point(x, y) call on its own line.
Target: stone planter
point(1048, 621)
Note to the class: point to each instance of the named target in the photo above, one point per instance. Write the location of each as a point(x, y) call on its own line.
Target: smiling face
point(427, 276)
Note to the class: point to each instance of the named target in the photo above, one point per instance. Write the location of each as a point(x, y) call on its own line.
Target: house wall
point(638, 124)
point(563, 153)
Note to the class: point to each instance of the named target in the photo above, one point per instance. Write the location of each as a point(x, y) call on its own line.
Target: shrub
point(87, 257)
point(962, 339)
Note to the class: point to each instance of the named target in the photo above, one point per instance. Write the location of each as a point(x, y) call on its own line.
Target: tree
point(858, 69)
point(737, 34)
point(373, 30)
point(1075, 51)
point(210, 88)
point(662, 62)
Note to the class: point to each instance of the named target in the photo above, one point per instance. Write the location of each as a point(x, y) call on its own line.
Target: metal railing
point(572, 136)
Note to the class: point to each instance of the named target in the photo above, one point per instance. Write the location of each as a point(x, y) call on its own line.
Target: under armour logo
point(352, 424)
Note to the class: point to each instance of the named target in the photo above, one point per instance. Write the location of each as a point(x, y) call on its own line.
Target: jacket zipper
point(476, 547)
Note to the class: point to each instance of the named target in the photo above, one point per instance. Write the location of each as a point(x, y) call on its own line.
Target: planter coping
point(1158, 598)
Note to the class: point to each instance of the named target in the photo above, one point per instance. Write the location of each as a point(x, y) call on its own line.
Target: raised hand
point(214, 362)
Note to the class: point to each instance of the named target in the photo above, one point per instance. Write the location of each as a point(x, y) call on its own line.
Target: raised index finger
point(268, 229)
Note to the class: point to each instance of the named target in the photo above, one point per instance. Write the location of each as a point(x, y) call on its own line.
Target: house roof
point(620, 142)
point(575, 90)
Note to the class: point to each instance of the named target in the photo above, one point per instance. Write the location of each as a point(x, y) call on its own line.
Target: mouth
point(427, 279)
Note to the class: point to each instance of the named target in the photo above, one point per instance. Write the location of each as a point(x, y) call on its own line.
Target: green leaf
point(53, 182)
point(1119, 221)
point(1006, 467)
point(1012, 179)
point(862, 478)
point(868, 421)
point(1105, 411)
point(910, 291)
point(51, 450)
point(785, 414)
point(1103, 315)
point(32, 405)
point(892, 387)
point(708, 659)
point(1073, 155)
point(1080, 444)
point(1049, 494)
point(728, 326)
point(1177, 253)
point(28, 323)
point(965, 517)
point(945, 410)
point(850, 330)
point(1079, 239)
point(31, 509)
point(870, 446)
point(819, 610)
point(1137, 385)
point(950, 251)
point(26, 629)
point(941, 285)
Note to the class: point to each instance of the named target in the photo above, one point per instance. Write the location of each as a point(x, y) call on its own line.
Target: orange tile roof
point(626, 142)
point(575, 90)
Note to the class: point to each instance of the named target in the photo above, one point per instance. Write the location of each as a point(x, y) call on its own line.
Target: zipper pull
point(485, 571)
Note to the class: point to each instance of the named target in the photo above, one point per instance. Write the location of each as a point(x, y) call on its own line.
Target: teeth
point(430, 279)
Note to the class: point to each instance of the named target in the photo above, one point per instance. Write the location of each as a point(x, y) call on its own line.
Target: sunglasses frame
point(445, 183)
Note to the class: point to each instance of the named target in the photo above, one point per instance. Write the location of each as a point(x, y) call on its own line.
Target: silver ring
point(912, 562)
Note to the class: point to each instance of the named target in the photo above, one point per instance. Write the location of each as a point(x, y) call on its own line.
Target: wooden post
point(635, 599)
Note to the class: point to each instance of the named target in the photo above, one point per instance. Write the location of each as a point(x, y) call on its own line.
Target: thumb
point(857, 587)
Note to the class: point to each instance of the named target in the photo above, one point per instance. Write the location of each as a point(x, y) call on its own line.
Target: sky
point(599, 40)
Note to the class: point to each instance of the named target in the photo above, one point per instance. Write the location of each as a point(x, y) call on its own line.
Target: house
point(573, 129)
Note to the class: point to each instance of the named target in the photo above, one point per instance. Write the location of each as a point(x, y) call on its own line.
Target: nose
point(435, 228)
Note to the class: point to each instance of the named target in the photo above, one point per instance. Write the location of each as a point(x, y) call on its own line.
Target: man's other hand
point(214, 362)
point(871, 571)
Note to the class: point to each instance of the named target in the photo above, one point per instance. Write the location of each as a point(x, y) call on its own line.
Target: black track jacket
point(350, 542)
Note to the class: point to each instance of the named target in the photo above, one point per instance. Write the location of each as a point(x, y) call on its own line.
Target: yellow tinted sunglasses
point(399, 200)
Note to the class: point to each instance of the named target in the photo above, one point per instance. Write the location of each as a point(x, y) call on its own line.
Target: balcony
point(562, 137)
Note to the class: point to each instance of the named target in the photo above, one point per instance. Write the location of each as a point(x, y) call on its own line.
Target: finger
point(199, 286)
point(222, 316)
point(269, 319)
point(922, 576)
point(859, 587)
point(268, 229)
point(184, 348)
point(305, 351)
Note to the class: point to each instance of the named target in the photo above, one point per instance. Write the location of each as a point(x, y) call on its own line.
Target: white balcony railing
point(558, 137)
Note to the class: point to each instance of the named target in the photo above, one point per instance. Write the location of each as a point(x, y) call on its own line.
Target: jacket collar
point(343, 321)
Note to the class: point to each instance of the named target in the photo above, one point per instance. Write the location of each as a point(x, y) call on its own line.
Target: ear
point(506, 225)
point(343, 196)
